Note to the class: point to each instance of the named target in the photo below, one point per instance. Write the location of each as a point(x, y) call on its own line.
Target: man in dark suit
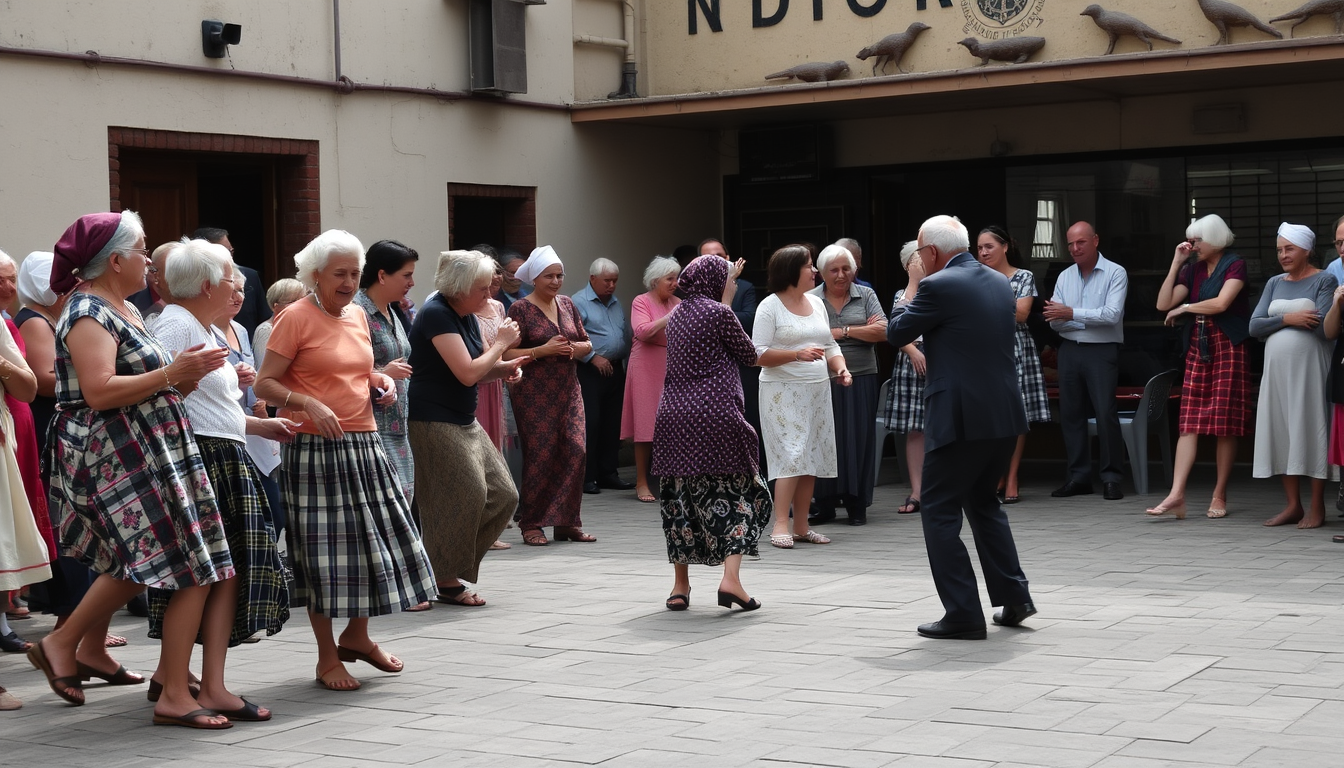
point(973, 415)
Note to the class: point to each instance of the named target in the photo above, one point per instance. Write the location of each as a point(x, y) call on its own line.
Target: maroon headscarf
point(81, 242)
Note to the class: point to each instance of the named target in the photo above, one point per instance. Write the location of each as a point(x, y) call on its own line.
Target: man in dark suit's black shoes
point(591, 487)
point(1014, 615)
point(945, 630)
point(1072, 488)
point(1111, 492)
point(614, 483)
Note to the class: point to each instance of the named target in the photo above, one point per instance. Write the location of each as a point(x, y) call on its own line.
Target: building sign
point(998, 19)
point(768, 13)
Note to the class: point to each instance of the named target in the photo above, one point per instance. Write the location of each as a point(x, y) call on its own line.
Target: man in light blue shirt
point(1088, 310)
point(602, 374)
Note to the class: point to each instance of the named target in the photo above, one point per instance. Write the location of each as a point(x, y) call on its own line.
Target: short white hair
point(285, 289)
point(459, 272)
point(190, 263)
point(908, 252)
point(833, 252)
point(129, 231)
point(1212, 230)
point(5, 258)
point(851, 245)
point(946, 233)
point(315, 255)
point(660, 267)
point(601, 267)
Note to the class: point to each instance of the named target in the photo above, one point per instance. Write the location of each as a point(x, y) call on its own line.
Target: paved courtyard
point(1195, 643)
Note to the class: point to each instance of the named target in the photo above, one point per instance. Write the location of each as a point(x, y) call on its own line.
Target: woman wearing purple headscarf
point(713, 499)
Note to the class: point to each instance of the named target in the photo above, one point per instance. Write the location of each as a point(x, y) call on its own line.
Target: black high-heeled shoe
point(727, 599)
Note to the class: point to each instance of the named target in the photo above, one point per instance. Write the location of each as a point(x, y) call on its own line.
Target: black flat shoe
point(678, 602)
point(615, 484)
point(1014, 615)
point(1111, 492)
point(821, 515)
point(591, 487)
point(944, 630)
point(728, 599)
point(12, 643)
point(1072, 488)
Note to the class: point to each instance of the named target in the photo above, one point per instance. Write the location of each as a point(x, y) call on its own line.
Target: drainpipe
point(336, 34)
point(629, 71)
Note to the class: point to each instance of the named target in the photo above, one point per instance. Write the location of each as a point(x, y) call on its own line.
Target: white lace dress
point(797, 424)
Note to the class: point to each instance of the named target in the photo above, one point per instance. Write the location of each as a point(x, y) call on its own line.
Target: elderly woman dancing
point(127, 480)
point(469, 496)
point(649, 313)
point(1215, 395)
point(548, 404)
point(713, 500)
point(857, 324)
point(1292, 427)
point(355, 551)
point(203, 282)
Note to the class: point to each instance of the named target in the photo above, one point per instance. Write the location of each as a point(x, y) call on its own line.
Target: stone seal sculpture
point(813, 72)
point(1225, 16)
point(891, 48)
point(1014, 49)
point(1315, 8)
point(1116, 24)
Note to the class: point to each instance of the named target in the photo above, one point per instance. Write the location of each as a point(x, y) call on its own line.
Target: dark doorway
point(494, 214)
point(236, 196)
point(482, 220)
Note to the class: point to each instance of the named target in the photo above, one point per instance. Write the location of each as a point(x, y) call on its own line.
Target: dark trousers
point(1087, 377)
point(751, 403)
point(963, 477)
point(603, 397)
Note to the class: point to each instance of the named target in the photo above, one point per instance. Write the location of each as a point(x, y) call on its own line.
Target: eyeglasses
point(141, 251)
point(153, 270)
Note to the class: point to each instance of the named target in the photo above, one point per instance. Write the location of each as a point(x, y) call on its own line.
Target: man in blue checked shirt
point(602, 374)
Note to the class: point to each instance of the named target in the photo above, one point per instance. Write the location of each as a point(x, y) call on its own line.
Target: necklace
point(318, 301)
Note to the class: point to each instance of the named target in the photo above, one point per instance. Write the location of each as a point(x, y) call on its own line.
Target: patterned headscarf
point(705, 276)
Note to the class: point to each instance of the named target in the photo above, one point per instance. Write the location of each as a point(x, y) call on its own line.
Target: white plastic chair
point(1135, 426)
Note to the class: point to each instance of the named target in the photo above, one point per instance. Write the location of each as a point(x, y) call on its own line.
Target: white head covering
point(537, 263)
point(35, 278)
point(1298, 234)
point(832, 252)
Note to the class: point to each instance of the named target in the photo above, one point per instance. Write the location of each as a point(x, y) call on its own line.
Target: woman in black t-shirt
point(463, 487)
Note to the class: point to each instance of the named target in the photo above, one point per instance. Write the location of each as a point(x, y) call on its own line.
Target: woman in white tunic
point(796, 351)
point(1292, 425)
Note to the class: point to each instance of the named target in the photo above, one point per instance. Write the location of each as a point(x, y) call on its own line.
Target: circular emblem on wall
point(997, 19)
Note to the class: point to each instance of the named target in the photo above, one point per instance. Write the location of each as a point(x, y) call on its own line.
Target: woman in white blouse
point(793, 340)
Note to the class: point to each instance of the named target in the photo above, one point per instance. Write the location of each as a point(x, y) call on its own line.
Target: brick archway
point(293, 186)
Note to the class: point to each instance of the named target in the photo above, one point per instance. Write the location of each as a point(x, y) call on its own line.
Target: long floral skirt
point(709, 518)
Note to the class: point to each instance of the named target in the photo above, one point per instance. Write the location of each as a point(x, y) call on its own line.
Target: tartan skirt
point(263, 595)
point(1215, 394)
point(1029, 377)
point(904, 409)
point(355, 551)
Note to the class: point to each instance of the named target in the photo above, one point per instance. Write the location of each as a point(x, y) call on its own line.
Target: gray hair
point(601, 267)
point(908, 252)
point(459, 272)
point(851, 245)
point(193, 262)
point(285, 289)
point(832, 252)
point(315, 255)
point(1212, 230)
point(946, 233)
point(123, 240)
point(660, 267)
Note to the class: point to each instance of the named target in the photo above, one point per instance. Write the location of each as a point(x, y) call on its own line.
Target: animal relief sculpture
point(1225, 16)
point(1013, 49)
point(1315, 8)
point(1116, 24)
point(813, 72)
point(891, 48)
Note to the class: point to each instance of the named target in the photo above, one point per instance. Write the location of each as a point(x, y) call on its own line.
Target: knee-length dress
point(548, 407)
point(1292, 431)
point(647, 367)
point(1029, 377)
point(490, 394)
point(128, 484)
point(26, 546)
point(797, 423)
point(390, 343)
point(904, 410)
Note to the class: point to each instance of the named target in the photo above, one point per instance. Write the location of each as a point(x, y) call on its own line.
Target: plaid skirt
point(355, 551)
point(709, 518)
point(904, 410)
point(263, 596)
point(1029, 376)
point(1216, 394)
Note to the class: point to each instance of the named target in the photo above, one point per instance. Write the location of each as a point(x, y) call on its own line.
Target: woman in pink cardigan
point(648, 364)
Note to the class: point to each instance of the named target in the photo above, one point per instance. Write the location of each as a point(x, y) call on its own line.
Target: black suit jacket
point(965, 312)
point(744, 304)
point(255, 310)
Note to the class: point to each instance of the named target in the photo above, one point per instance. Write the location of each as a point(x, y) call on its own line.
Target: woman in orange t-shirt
point(355, 550)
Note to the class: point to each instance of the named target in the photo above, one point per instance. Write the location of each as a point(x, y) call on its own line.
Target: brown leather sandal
point(535, 538)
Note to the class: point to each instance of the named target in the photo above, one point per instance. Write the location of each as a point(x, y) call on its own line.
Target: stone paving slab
point(1159, 643)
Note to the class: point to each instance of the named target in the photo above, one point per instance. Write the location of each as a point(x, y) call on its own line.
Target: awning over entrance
point(1219, 68)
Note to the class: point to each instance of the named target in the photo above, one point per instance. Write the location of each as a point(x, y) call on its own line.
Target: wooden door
point(163, 191)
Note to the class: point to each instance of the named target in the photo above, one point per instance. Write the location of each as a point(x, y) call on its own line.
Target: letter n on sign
point(710, 8)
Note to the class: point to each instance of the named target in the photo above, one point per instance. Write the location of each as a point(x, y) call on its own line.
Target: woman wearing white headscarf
point(1292, 428)
point(547, 403)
